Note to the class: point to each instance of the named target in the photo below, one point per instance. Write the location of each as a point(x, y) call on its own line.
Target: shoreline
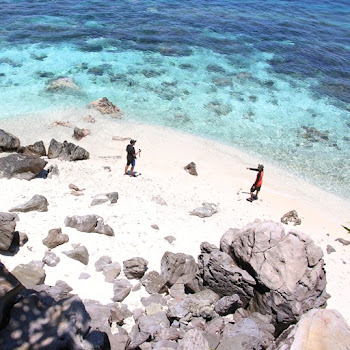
point(222, 179)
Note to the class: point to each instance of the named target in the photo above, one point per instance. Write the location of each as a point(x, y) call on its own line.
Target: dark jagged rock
point(21, 166)
point(191, 168)
point(79, 253)
point(38, 149)
point(89, 223)
point(7, 229)
point(55, 238)
point(228, 305)
point(8, 142)
point(220, 273)
point(135, 267)
point(10, 287)
point(343, 241)
point(78, 134)
point(36, 203)
point(66, 151)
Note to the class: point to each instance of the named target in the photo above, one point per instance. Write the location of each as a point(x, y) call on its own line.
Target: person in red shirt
point(257, 184)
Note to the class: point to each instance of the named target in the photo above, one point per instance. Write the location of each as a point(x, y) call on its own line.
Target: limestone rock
point(135, 267)
point(102, 262)
point(8, 142)
point(30, 274)
point(62, 84)
point(207, 210)
point(111, 272)
point(55, 238)
point(317, 329)
point(7, 229)
point(51, 259)
point(36, 203)
point(21, 166)
point(89, 223)
point(80, 253)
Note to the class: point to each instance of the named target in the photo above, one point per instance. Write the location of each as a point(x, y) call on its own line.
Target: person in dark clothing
point(130, 157)
point(257, 184)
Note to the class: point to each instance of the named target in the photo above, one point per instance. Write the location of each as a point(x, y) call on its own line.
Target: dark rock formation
point(135, 268)
point(21, 167)
point(89, 223)
point(55, 238)
point(7, 229)
point(228, 305)
point(36, 203)
point(66, 151)
point(207, 210)
point(291, 216)
point(153, 282)
point(9, 289)
point(191, 169)
point(8, 142)
point(79, 253)
point(38, 149)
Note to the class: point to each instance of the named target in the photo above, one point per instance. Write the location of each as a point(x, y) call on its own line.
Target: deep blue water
point(269, 77)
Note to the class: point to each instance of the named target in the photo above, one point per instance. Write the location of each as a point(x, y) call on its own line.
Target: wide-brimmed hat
point(260, 166)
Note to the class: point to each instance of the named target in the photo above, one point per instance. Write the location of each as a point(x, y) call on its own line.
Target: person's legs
point(132, 168)
point(251, 194)
point(126, 169)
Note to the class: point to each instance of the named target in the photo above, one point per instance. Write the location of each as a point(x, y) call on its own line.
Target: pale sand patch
point(223, 179)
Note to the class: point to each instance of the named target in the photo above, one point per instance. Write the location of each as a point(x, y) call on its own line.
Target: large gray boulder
point(36, 203)
point(7, 229)
point(179, 268)
point(317, 329)
point(66, 151)
point(221, 274)
point(9, 289)
point(55, 238)
point(21, 166)
point(135, 268)
point(89, 223)
point(288, 269)
point(8, 142)
point(30, 274)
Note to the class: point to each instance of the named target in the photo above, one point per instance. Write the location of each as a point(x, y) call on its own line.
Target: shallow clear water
point(269, 77)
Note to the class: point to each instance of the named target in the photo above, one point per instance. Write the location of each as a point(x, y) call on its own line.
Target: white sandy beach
point(222, 179)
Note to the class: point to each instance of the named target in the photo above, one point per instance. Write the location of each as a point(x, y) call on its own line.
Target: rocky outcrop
point(36, 203)
point(55, 238)
point(8, 142)
point(7, 229)
point(135, 268)
point(288, 270)
point(21, 166)
point(207, 210)
point(317, 329)
point(89, 223)
point(66, 151)
point(9, 289)
point(104, 106)
point(38, 149)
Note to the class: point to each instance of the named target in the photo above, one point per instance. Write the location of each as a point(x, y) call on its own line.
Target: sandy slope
point(223, 180)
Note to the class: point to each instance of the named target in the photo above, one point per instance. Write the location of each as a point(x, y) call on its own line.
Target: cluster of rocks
point(261, 289)
point(27, 163)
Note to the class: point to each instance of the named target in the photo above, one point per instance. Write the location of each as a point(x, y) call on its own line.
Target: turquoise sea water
point(268, 77)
